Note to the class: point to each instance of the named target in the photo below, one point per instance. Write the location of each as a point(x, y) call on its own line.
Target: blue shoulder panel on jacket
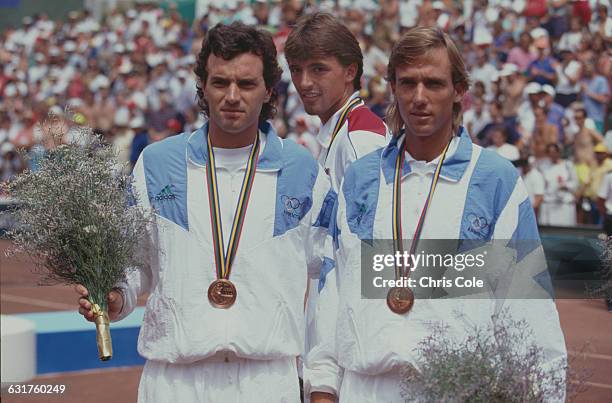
point(327, 266)
point(361, 187)
point(525, 238)
point(325, 215)
point(491, 184)
point(165, 168)
point(296, 179)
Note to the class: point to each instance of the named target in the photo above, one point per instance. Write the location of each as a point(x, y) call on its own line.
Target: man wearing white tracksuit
point(326, 66)
point(209, 336)
point(470, 194)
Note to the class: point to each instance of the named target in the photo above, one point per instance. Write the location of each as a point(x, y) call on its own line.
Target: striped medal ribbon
point(401, 299)
point(222, 292)
point(343, 116)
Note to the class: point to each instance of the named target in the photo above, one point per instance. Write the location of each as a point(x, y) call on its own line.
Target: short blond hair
point(415, 43)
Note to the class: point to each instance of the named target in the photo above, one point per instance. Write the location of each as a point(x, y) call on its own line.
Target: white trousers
point(215, 380)
point(360, 388)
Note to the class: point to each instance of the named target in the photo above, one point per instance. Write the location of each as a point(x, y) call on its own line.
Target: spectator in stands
point(602, 166)
point(569, 72)
point(559, 205)
point(499, 138)
point(534, 182)
point(542, 69)
point(596, 95)
point(511, 85)
point(543, 135)
point(521, 55)
point(476, 118)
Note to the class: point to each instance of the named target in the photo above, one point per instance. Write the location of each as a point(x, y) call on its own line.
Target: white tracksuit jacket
point(282, 238)
point(479, 196)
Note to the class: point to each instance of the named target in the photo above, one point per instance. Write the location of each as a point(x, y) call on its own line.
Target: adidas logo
point(165, 194)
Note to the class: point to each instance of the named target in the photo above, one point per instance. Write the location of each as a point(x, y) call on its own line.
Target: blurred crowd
point(540, 72)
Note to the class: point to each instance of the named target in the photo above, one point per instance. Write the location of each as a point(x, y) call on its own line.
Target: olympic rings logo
point(478, 225)
point(291, 205)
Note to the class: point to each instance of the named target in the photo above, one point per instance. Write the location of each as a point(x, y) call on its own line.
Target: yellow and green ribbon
point(343, 116)
point(224, 258)
point(397, 203)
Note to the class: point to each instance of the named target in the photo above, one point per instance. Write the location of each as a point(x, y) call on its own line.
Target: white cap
point(482, 36)
point(56, 110)
point(140, 100)
point(187, 60)
point(54, 51)
point(162, 85)
point(154, 59)
point(69, 46)
point(99, 82)
point(97, 41)
point(508, 69)
point(122, 117)
point(118, 48)
point(538, 32)
point(549, 89)
point(7, 147)
point(137, 122)
point(533, 88)
point(10, 90)
point(126, 67)
point(75, 102)
point(438, 5)
point(131, 13)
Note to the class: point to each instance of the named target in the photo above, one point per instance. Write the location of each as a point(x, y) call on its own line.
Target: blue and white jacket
point(283, 236)
point(481, 197)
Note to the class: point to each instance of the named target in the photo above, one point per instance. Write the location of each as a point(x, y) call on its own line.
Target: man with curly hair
point(238, 225)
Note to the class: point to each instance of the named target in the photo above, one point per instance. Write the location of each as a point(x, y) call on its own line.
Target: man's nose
point(233, 94)
point(305, 81)
point(419, 94)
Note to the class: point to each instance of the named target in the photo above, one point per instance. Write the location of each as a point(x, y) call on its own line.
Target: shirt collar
point(270, 158)
point(453, 167)
point(325, 132)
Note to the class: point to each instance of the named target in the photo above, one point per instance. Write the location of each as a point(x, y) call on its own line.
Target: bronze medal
point(400, 299)
point(222, 293)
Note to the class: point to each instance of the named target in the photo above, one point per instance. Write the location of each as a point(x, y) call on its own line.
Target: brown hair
point(415, 43)
point(229, 41)
point(322, 35)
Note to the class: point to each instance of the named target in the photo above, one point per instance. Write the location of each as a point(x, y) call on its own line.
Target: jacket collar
point(453, 167)
point(270, 158)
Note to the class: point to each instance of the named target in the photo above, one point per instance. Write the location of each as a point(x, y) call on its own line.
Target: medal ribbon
point(397, 203)
point(347, 109)
point(223, 258)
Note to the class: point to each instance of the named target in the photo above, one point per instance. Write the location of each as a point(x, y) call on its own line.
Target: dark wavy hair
point(229, 41)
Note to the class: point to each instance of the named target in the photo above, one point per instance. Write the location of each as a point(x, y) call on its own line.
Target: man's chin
point(311, 110)
point(420, 131)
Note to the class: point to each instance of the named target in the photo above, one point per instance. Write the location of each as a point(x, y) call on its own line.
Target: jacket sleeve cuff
point(322, 380)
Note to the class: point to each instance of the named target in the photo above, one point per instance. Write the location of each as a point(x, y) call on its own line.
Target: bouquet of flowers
point(77, 221)
point(498, 363)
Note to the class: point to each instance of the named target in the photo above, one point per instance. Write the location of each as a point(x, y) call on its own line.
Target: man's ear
point(268, 95)
point(351, 72)
point(460, 90)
